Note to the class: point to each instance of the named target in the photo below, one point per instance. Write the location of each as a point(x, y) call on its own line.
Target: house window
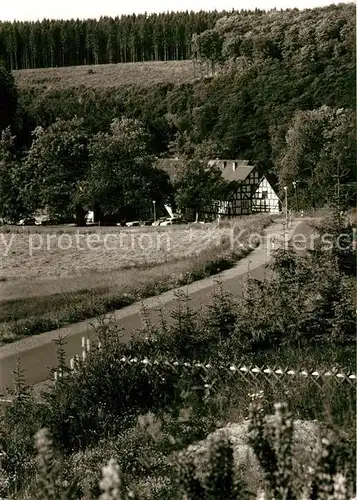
point(264, 195)
point(245, 204)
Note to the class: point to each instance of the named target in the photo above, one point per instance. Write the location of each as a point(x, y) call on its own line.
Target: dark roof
point(172, 166)
point(233, 169)
point(220, 161)
point(239, 174)
point(175, 166)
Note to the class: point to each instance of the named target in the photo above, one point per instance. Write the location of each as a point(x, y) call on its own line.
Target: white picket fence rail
point(254, 371)
point(251, 374)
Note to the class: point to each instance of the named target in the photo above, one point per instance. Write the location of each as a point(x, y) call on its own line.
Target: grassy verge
point(37, 314)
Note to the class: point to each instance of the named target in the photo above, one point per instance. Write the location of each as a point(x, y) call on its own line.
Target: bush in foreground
point(184, 476)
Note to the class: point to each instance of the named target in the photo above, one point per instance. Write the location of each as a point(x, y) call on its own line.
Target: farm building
point(251, 191)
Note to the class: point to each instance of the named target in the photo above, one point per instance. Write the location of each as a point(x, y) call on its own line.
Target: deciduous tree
point(199, 187)
point(8, 98)
point(55, 168)
point(122, 180)
point(12, 207)
point(320, 153)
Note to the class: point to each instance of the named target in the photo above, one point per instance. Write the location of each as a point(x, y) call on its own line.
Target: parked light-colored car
point(133, 223)
point(170, 221)
point(28, 221)
point(45, 221)
point(148, 222)
point(159, 221)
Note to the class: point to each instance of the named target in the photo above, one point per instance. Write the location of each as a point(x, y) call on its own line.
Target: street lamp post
point(286, 205)
point(154, 203)
point(296, 196)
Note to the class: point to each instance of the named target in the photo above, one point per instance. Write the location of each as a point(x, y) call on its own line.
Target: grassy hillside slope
point(106, 75)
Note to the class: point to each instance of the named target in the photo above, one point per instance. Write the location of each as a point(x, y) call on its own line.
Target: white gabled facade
point(251, 191)
point(265, 198)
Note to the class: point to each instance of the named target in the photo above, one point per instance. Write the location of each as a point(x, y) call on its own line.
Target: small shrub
point(215, 480)
point(272, 445)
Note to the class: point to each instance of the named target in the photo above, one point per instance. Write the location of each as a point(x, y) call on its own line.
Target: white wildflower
point(110, 483)
point(339, 487)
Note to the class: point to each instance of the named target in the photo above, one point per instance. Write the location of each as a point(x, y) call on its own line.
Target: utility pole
point(286, 205)
point(154, 204)
point(338, 185)
point(296, 196)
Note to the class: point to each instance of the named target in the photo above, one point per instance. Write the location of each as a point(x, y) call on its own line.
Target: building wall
point(241, 200)
point(265, 199)
point(254, 195)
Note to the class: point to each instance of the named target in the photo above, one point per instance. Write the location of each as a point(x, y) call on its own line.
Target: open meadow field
point(107, 75)
point(56, 253)
point(52, 276)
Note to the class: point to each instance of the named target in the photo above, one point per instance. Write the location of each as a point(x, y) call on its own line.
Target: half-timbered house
point(250, 191)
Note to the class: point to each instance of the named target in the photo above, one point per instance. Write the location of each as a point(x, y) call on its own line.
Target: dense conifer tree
point(131, 38)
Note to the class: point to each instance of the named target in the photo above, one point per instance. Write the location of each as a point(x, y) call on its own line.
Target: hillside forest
point(50, 43)
point(276, 88)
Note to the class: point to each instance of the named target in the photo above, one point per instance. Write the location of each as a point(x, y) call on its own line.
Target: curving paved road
point(38, 353)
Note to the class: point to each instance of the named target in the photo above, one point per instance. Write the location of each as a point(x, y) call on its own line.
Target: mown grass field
point(69, 252)
point(107, 75)
point(51, 277)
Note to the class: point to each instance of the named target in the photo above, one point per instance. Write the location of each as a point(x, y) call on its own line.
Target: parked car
point(147, 222)
point(45, 221)
point(170, 221)
point(133, 223)
point(28, 221)
point(159, 221)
